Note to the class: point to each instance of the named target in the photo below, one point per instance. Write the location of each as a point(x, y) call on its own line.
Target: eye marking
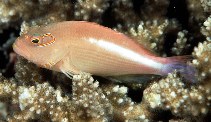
point(44, 40)
point(47, 35)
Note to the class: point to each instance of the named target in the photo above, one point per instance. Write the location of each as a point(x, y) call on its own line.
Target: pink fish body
point(72, 47)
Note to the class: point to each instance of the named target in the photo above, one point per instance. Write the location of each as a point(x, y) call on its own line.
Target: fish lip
point(22, 51)
point(16, 48)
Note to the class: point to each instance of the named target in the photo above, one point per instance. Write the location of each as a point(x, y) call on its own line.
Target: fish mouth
point(21, 50)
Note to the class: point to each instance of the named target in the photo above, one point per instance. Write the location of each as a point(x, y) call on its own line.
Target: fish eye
point(44, 40)
point(35, 41)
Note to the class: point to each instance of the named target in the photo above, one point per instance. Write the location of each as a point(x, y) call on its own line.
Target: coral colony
point(165, 27)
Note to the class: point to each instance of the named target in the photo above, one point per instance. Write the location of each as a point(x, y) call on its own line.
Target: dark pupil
point(35, 40)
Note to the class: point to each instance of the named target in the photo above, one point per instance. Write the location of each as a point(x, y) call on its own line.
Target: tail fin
point(179, 63)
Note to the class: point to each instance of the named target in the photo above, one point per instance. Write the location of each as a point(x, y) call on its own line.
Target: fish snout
point(20, 48)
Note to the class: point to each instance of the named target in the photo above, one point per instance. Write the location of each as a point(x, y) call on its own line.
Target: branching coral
point(196, 10)
point(33, 102)
point(170, 93)
point(119, 8)
point(35, 94)
point(94, 103)
point(22, 68)
point(156, 9)
point(125, 108)
point(90, 10)
point(203, 56)
point(14, 10)
point(206, 28)
point(206, 4)
point(181, 43)
point(152, 33)
point(41, 101)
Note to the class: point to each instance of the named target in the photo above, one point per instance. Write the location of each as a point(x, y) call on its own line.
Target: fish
point(72, 47)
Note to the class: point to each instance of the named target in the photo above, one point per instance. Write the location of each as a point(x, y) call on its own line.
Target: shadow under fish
point(137, 78)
